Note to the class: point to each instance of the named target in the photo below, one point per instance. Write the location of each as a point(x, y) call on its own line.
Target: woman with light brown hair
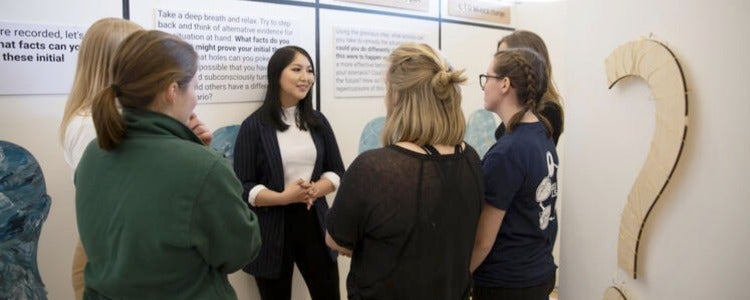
point(407, 213)
point(551, 106)
point(159, 214)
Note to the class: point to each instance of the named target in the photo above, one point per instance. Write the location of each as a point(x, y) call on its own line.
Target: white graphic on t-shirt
point(546, 189)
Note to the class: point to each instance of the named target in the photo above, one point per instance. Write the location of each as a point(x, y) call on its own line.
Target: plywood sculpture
point(655, 63)
point(614, 293)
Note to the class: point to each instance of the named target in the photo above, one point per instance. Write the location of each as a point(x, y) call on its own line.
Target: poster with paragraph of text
point(38, 58)
point(234, 49)
point(361, 58)
point(418, 5)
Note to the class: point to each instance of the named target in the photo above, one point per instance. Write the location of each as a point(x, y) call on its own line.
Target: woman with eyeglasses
point(512, 257)
point(551, 107)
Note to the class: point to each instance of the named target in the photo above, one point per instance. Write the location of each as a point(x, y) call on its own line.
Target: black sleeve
point(332, 161)
point(347, 219)
point(246, 154)
point(553, 113)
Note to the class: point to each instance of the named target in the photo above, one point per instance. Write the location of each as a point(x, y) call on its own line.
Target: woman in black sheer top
point(407, 213)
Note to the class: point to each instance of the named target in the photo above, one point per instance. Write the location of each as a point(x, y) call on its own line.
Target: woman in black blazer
point(287, 159)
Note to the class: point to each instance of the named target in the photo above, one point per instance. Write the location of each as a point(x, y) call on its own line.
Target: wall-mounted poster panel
point(360, 57)
point(430, 10)
point(234, 50)
point(480, 10)
point(419, 5)
point(38, 58)
point(235, 40)
point(349, 115)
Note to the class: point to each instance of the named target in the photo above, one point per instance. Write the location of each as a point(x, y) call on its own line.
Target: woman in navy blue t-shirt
point(512, 257)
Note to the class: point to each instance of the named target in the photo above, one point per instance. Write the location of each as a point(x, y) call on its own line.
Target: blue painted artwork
point(480, 130)
point(24, 205)
point(223, 141)
point(370, 138)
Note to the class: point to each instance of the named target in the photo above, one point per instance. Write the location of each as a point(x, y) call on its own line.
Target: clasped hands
point(301, 191)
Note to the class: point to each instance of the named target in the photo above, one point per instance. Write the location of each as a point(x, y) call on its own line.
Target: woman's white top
point(298, 155)
point(78, 134)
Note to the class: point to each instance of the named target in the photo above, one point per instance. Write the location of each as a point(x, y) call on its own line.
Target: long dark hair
point(270, 112)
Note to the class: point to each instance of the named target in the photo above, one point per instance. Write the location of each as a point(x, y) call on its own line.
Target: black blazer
point(257, 160)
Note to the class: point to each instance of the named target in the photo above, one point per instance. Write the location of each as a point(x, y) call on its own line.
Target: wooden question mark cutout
point(655, 63)
point(613, 293)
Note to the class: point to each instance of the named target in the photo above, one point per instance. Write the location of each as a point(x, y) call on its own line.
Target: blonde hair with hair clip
point(423, 98)
point(92, 69)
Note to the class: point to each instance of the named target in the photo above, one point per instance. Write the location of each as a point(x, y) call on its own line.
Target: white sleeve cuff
point(333, 178)
point(254, 193)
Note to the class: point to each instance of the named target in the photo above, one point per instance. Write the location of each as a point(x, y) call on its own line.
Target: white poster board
point(495, 12)
point(419, 5)
point(234, 49)
point(38, 58)
point(361, 58)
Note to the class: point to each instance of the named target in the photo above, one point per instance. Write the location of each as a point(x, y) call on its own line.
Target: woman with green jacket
point(159, 214)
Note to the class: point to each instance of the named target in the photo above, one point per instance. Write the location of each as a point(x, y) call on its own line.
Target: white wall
point(32, 121)
point(694, 243)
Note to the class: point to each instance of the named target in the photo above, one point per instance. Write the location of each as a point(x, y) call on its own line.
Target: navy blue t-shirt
point(521, 179)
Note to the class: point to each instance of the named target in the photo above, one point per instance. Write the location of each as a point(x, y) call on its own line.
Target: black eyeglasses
point(483, 79)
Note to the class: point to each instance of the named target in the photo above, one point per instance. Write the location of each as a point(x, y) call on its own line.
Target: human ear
point(505, 84)
point(171, 92)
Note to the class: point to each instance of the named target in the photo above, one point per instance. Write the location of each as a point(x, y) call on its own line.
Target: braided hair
point(526, 71)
